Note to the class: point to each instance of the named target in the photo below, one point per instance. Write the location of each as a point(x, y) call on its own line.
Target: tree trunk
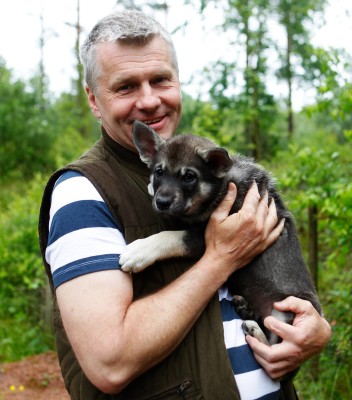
point(81, 104)
point(41, 63)
point(313, 267)
point(247, 77)
point(313, 242)
point(290, 123)
point(256, 124)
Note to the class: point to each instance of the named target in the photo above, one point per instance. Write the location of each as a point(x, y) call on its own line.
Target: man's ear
point(92, 102)
point(217, 159)
point(147, 141)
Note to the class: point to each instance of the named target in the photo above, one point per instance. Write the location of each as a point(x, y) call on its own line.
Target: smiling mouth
point(153, 121)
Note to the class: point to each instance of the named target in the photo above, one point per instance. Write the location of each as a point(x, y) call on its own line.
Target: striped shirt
point(85, 238)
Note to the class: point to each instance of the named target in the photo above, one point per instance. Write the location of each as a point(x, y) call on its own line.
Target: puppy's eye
point(158, 172)
point(189, 176)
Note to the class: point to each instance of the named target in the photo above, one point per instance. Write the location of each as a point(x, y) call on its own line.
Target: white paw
point(142, 253)
point(253, 329)
point(137, 256)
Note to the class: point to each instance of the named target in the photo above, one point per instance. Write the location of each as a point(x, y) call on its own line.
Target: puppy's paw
point(253, 329)
point(242, 307)
point(137, 256)
point(142, 253)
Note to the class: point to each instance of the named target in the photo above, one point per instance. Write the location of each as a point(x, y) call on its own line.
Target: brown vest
point(199, 368)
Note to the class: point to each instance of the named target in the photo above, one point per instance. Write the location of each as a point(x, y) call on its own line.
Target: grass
point(333, 379)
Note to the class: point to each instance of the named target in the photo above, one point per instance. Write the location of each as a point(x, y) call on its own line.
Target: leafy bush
point(26, 130)
point(22, 277)
point(21, 337)
point(317, 170)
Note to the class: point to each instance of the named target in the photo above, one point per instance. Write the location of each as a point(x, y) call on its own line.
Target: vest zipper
point(178, 389)
point(182, 388)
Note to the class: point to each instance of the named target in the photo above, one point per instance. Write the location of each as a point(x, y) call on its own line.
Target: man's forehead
point(126, 60)
point(137, 48)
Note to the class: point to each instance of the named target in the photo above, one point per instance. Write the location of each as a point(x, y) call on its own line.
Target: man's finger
point(263, 208)
point(272, 358)
point(252, 199)
point(260, 349)
point(281, 329)
point(275, 233)
point(222, 211)
point(272, 215)
point(293, 304)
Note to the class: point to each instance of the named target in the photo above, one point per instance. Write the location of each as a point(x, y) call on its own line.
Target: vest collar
point(128, 158)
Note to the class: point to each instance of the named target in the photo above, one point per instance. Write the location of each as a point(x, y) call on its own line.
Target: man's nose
point(148, 98)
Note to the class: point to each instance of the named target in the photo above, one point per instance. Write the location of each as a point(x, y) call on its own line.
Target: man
point(160, 333)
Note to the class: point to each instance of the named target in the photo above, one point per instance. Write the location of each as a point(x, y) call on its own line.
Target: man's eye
point(125, 88)
point(159, 80)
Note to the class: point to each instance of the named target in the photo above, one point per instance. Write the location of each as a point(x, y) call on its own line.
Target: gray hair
point(129, 26)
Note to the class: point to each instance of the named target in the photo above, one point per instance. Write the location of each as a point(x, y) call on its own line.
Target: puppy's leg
point(142, 253)
point(251, 327)
point(242, 307)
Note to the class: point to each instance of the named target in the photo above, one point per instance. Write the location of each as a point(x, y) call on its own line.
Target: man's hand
point(308, 335)
point(234, 240)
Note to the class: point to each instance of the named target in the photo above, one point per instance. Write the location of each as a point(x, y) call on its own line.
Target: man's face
point(136, 82)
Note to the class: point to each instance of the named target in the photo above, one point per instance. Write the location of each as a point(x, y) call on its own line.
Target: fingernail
point(231, 187)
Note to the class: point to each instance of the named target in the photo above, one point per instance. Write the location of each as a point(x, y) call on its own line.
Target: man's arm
point(308, 336)
point(116, 339)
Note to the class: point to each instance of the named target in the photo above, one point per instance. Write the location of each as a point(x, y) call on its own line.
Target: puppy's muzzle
point(163, 202)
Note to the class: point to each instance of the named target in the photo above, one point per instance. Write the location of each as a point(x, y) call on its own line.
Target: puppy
point(189, 178)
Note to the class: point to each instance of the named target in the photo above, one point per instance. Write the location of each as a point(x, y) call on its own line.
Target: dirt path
point(34, 378)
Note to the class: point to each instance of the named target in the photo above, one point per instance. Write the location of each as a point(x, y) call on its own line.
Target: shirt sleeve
point(83, 235)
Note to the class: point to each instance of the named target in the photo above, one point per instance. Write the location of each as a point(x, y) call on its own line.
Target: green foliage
point(226, 125)
point(73, 114)
point(208, 122)
point(190, 109)
point(22, 278)
point(25, 129)
point(297, 17)
point(334, 100)
point(21, 337)
point(30, 132)
point(21, 271)
point(317, 170)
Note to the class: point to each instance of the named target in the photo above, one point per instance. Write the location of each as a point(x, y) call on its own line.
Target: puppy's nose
point(163, 202)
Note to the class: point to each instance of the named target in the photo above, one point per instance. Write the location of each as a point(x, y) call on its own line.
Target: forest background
point(245, 102)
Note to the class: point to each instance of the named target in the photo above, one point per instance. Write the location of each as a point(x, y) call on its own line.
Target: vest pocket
point(183, 390)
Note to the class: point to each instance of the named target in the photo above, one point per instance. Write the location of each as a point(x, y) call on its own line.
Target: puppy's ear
point(217, 159)
point(147, 141)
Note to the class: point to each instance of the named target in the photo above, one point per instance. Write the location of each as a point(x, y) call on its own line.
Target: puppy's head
point(188, 173)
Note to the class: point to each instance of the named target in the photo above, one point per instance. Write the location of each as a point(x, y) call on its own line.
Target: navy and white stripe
point(253, 383)
point(83, 235)
point(85, 238)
